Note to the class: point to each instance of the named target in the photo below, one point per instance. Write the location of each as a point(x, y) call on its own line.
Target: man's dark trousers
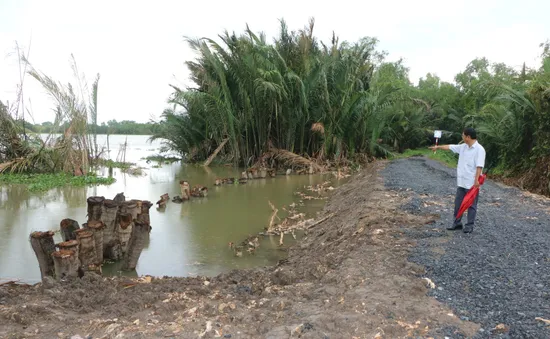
point(460, 193)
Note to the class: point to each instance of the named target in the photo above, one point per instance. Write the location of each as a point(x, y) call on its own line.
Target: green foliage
point(125, 127)
point(448, 158)
point(161, 159)
point(115, 164)
point(45, 182)
point(296, 94)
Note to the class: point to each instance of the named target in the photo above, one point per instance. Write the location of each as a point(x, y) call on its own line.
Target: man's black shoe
point(468, 228)
point(454, 227)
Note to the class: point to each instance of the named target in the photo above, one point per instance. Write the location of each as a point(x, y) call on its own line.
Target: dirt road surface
point(380, 266)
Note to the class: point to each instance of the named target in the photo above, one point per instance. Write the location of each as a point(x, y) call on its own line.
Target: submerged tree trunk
point(97, 229)
point(68, 228)
point(139, 237)
point(108, 217)
point(43, 245)
point(87, 253)
point(94, 208)
point(66, 264)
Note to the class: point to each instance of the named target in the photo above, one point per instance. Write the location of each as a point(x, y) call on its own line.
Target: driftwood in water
point(143, 216)
point(86, 253)
point(68, 227)
point(124, 231)
point(66, 264)
point(140, 236)
point(108, 217)
point(94, 208)
point(97, 229)
point(43, 245)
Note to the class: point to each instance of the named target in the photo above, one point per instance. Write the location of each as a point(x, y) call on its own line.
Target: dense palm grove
point(343, 101)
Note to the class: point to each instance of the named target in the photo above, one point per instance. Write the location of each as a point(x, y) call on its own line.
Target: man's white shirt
point(469, 159)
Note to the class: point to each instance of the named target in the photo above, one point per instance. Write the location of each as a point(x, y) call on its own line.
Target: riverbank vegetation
point(125, 127)
point(343, 101)
point(55, 160)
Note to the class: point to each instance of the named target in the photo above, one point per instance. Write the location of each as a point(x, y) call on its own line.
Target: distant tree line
point(111, 127)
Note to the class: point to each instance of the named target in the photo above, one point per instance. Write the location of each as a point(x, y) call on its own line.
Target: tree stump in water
point(139, 237)
point(108, 217)
point(97, 229)
point(66, 264)
point(185, 190)
point(124, 231)
point(94, 208)
point(43, 245)
point(71, 245)
point(86, 253)
point(68, 227)
point(144, 215)
point(132, 207)
point(119, 198)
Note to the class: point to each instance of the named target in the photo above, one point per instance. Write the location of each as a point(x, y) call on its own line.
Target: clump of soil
point(349, 277)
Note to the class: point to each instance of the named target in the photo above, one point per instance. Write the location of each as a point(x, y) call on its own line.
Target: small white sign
point(437, 134)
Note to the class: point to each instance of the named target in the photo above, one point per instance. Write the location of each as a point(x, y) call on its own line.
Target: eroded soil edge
point(349, 278)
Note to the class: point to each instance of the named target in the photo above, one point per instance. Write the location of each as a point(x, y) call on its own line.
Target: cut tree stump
point(68, 227)
point(108, 217)
point(43, 245)
point(66, 264)
point(86, 251)
point(124, 231)
point(71, 245)
point(132, 206)
point(140, 235)
point(94, 208)
point(143, 216)
point(97, 228)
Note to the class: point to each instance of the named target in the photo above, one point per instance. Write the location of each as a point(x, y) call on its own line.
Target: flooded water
point(186, 239)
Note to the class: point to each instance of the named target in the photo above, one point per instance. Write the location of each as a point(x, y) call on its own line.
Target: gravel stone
point(496, 275)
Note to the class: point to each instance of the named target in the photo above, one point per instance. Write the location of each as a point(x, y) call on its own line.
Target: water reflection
point(186, 239)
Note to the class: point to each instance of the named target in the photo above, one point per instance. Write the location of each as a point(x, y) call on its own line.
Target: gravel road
point(498, 276)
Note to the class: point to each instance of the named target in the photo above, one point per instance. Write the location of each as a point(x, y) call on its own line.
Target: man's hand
point(476, 183)
point(433, 148)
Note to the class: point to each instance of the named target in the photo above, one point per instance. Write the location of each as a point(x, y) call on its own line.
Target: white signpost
point(437, 136)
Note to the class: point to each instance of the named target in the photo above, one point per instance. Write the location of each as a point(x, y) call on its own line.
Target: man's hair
point(470, 132)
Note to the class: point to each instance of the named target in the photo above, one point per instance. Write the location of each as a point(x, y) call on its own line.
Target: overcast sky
point(138, 48)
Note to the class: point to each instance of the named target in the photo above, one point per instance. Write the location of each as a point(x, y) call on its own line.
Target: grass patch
point(161, 159)
point(45, 182)
point(115, 164)
point(446, 157)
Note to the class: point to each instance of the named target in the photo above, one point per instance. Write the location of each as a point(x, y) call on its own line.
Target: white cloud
point(138, 47)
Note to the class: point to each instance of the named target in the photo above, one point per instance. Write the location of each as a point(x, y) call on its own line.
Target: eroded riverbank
point(348, 277)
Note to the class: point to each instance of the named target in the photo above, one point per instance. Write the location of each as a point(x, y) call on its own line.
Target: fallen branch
point(272, 219)
point(546, 321)
point(213, 155)
point(320, 221)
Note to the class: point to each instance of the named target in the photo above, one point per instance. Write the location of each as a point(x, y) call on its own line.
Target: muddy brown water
point(187, 239)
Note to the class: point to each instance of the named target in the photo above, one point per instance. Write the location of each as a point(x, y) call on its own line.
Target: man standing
point(471, 160)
